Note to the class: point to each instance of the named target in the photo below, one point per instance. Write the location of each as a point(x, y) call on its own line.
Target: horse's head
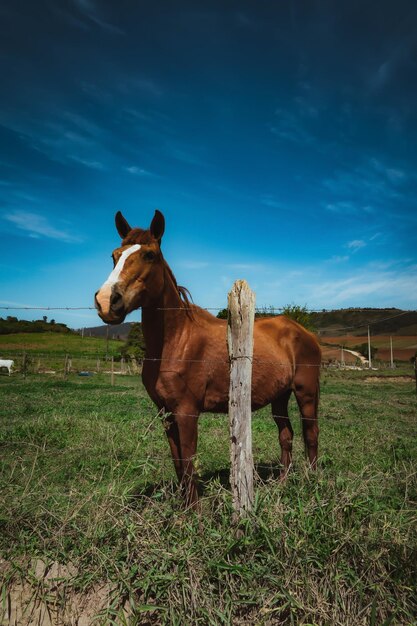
point(137, 278)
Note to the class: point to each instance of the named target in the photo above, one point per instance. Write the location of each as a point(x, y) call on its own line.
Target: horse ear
point(122, 225)
point(158, 225)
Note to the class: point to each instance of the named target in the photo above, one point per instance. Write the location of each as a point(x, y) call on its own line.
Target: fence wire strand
point(262, 311)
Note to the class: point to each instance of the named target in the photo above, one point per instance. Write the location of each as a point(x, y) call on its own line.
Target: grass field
point(55, 344)
point(49, 351)
point(91, 523)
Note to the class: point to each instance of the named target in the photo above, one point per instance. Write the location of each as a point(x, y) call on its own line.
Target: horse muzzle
point(110, 305)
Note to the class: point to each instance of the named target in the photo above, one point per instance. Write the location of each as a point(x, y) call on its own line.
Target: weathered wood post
point(241, 306)
point(415, 370)
point(112, 371)
point(24, 365)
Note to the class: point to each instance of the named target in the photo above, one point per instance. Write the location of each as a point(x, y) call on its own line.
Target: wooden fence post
point(241, 305)
point(415, 370)
point(24, 365)
point(112, 371)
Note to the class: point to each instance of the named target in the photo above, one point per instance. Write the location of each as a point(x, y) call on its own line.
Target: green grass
point(86, 479)
point(55, 344)
point(41, 352)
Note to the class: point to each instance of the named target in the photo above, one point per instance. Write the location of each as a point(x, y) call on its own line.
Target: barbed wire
point(126, 358)
point(19, 352)
point(261, 309)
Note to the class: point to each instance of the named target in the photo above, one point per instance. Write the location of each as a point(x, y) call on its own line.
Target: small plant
point(134, 346)
point(299, 314)
point(363, 349)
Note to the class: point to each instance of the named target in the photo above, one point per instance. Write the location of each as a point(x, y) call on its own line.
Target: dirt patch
point(335, 354)
point(48, 598)
point(379, 341)
point(389, 379)
point(400, 354)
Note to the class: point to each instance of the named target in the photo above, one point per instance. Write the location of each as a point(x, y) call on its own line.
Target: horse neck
point(164, 319)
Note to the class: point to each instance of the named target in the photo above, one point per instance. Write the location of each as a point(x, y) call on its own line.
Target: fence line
point(36, 355)
point(265, 310)
point(107, 357)
point(68, 358)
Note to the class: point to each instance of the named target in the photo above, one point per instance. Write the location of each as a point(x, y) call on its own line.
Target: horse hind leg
point(280, 415)
point(307, 400)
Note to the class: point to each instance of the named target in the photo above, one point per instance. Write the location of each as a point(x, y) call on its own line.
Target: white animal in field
point(7, 363)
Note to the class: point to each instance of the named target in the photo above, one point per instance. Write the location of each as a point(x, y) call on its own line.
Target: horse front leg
point(181, 430)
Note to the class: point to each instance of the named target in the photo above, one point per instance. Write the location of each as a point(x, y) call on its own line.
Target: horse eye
point(149, 256)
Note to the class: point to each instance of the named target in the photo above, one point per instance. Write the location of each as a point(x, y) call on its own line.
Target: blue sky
point(278, 139)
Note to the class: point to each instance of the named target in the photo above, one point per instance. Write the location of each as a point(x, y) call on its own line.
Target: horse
point(7, 364)
point(186, 364)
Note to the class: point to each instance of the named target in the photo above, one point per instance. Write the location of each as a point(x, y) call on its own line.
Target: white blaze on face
point(104, 294)
point(115, 274)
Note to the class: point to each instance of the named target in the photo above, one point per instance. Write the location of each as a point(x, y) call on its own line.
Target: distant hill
point(118, 331)
point(327, 323)
point(355, 322)
point(10, 325)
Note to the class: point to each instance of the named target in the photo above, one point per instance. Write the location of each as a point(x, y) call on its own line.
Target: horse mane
point(141, 236)
point(184, 295)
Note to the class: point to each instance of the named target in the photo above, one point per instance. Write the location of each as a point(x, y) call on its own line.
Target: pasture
point(91, 524)
point(47, 352)
point(56, 344)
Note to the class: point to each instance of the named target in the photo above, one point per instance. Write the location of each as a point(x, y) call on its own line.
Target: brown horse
point(186, 366)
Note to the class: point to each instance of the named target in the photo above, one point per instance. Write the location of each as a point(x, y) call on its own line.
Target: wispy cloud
point(399, 55)
point(305, 108)
point(356, 244)
point(271, 201)
point(391, 174)
point(247, 267)
point(194, 265)
point(65, 137)
point(345, 207)
point(138, 171)
point(13, 303)
point(298, 121)
point(370, 184)
point(89, 9)
point(367, 286)
point(183, 154)
point(287, 126)
point(338, 259)
point(95, 165)
point(344, 285)
point(133, 84)
point(36, 225)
